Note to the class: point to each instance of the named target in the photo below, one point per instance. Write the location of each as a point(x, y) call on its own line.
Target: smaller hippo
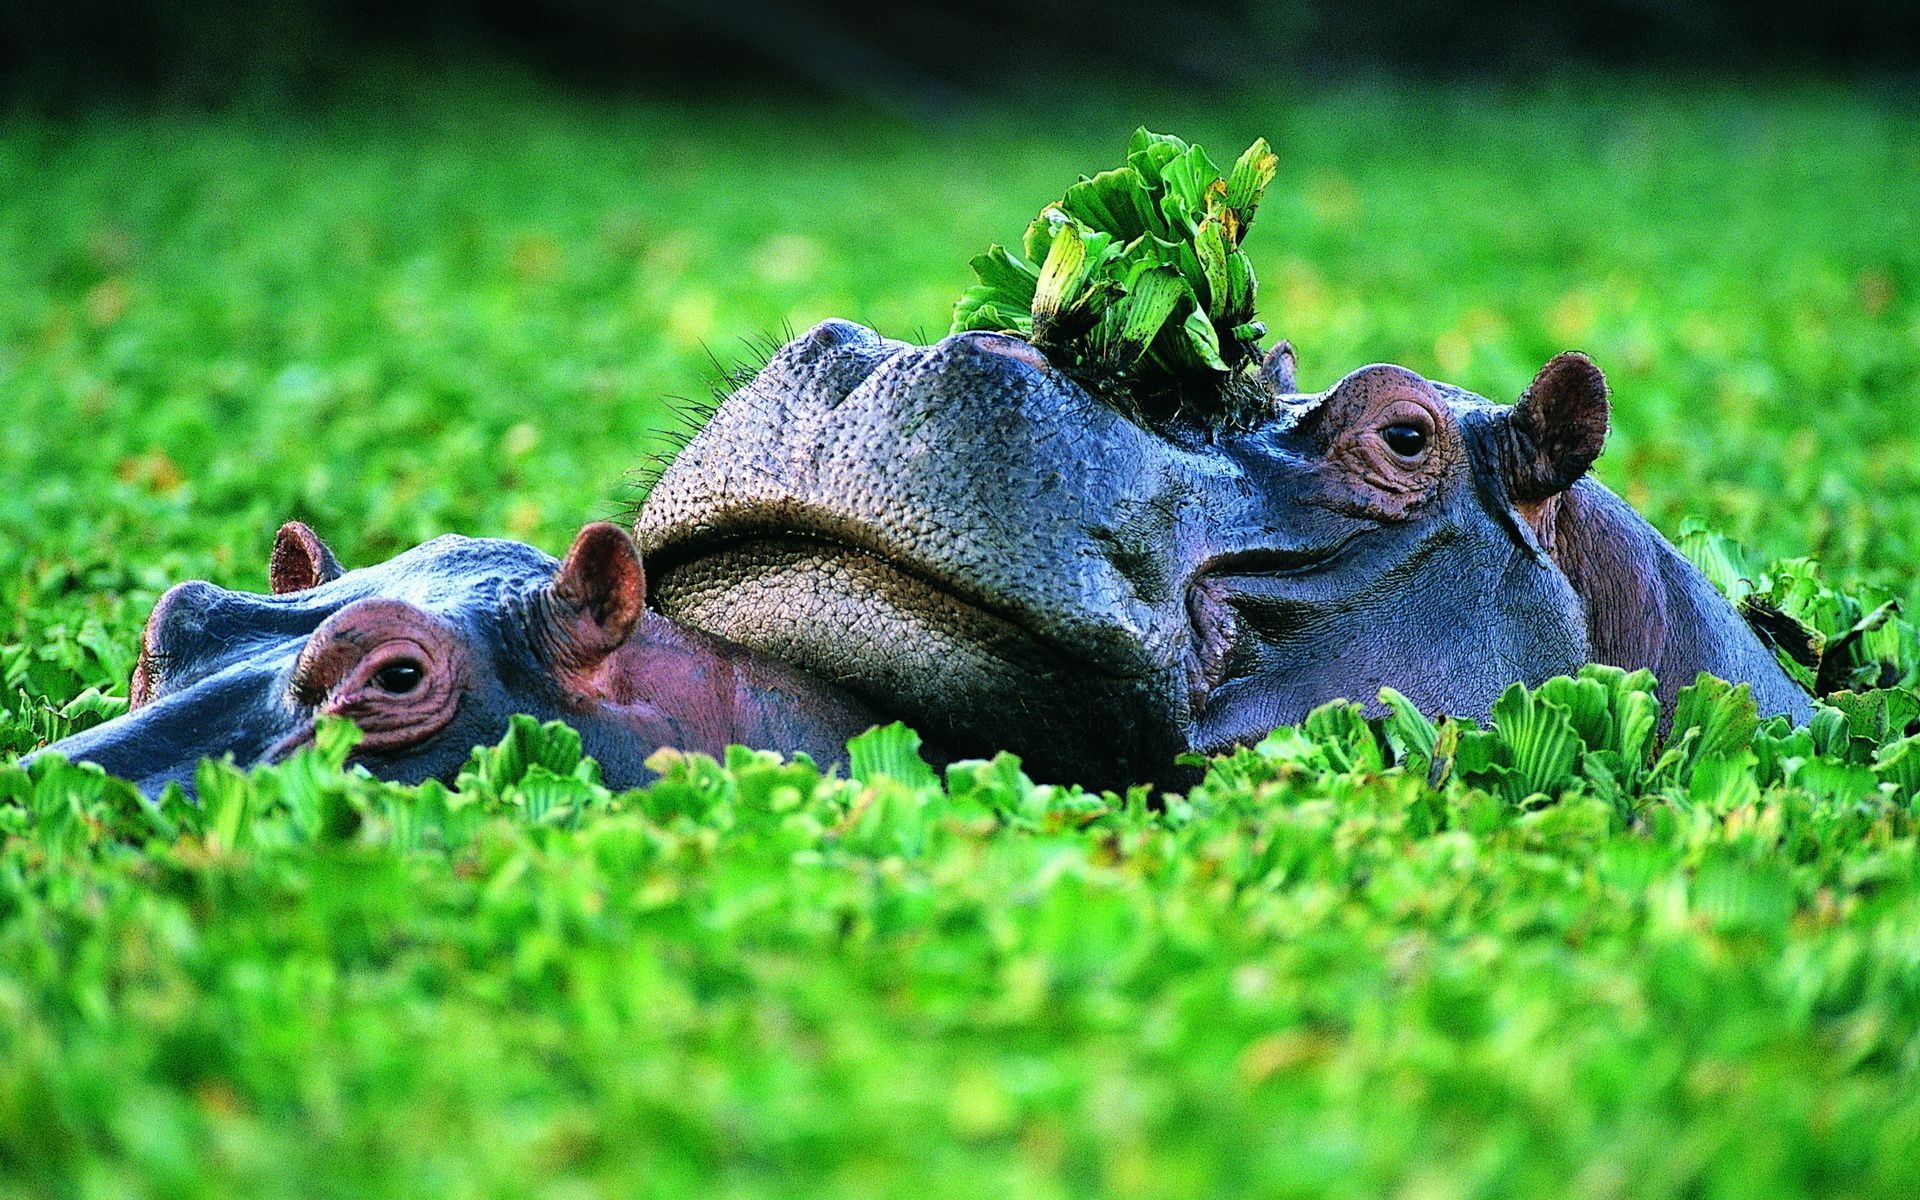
point(429, 654)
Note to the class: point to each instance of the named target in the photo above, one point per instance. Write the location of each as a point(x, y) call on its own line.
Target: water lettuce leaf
point(1136, 279)
point(1828, 640)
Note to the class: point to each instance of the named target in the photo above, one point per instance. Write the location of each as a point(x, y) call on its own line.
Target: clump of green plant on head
point(1135, 280)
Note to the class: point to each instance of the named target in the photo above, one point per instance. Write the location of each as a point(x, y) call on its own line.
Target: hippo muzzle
point(934, 527)
point(234, 712)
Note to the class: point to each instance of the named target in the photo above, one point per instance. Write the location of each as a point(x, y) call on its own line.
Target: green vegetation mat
point(1554, 958)
point(1135, 279)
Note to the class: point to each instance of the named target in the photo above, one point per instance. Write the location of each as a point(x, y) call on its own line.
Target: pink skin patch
point(1012, 347)
point(396, 672)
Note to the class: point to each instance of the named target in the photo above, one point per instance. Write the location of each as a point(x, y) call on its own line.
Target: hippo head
point(428, 653)
point(971, 540)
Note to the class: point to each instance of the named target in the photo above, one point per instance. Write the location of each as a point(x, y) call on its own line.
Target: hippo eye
point(1408, 441)
point(399, 677)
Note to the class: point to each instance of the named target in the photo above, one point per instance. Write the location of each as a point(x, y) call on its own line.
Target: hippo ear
point(1556, 430)
point(1286, 407)
point(1278, 368)
point(300, 560)
point(598, 595)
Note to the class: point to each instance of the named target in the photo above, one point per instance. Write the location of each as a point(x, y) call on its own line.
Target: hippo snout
point(233, 712)
point(961, 523)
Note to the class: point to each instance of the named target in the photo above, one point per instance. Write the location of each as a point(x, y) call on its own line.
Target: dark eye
point(1408, 441)
point(399, 677)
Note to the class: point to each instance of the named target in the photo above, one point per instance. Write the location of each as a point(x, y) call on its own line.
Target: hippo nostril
point(181, 615)
point(197, 627)
point(172, 625)
point(834, 333)
point(824, 364)
point(194, 594)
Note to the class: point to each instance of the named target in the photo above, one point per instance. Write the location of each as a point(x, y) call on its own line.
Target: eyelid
point(1406, 411)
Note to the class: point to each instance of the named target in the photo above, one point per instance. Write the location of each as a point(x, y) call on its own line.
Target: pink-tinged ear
point(1557, 429)
point(300, 560)
point(1278, 366)
point(598, 596)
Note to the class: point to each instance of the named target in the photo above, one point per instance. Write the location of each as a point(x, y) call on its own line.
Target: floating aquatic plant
point(1136, 279)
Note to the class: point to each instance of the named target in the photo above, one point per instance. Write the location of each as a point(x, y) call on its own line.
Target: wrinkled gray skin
point(968, 539)
point(481, 629)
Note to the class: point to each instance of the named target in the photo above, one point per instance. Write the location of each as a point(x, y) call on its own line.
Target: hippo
point(998, 552)
point(430, 652)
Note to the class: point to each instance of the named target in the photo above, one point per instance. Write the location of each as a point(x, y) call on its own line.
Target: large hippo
point(967, 538)
point(430, 652)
